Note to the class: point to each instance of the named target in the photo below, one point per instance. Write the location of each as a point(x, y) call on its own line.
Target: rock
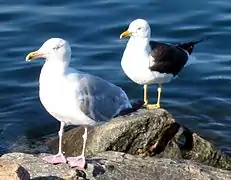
point(135, 134)
point(200, 150)
point(146, 133)
point(117, 166)
point(9, 170)
point(38, 169)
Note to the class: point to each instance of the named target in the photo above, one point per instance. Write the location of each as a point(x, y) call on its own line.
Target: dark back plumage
point(169, 58)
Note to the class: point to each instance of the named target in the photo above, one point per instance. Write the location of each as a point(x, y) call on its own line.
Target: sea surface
point(200, 98)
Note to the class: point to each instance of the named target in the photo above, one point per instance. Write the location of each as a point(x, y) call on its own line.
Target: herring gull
point(74, 97)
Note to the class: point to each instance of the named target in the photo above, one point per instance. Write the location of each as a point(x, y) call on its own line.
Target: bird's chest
point(55, 97)
point(136, 67)
point(50, 94)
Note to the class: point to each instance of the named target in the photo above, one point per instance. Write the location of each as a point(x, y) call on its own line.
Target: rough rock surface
point(142, 145)
point(145, 133)
point(38, 169)
point(118, 166)
point(124, 166)
point(136, 133)
point(198, 149)
point(9, 170)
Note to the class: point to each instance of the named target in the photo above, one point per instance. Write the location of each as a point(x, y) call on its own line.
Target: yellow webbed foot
point(152, 106)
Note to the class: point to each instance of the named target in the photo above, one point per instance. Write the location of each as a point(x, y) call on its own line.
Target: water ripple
point(199, 98)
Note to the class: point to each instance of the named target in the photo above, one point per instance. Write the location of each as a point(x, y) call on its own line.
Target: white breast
point(136, 67)
point(59, 99)
point(135, 64)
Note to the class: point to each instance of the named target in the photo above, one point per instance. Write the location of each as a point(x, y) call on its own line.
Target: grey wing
point(99, 99)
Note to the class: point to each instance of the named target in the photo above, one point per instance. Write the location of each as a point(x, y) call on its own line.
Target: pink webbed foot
point(78, 161)
point(55, 159)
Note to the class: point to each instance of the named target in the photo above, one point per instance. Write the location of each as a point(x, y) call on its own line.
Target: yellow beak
point(125, 34)
point(34, 55)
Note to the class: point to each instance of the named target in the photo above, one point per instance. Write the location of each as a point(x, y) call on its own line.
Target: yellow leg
point(157, 105)
point(145, 94)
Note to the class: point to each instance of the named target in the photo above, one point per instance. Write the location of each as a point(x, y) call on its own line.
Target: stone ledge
point(116, 165)
point(146, 133)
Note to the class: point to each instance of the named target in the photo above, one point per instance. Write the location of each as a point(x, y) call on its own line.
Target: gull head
point(53, 49)
point(138, 28)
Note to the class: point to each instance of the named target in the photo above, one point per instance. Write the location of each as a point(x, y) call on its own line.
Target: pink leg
point(58, 158)
point(79, 161)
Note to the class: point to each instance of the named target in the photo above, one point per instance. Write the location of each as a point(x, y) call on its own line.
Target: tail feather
point(189, 45)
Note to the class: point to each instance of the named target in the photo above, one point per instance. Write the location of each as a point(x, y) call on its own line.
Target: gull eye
point(56, 48)
point(139, 28)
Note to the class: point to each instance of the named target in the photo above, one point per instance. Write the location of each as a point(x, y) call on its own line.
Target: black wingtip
point(189, 45)
point(198, 41)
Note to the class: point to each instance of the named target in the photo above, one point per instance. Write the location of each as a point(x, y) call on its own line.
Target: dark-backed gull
point(150, 62)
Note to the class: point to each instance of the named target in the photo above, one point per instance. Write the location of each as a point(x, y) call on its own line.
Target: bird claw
point(55, 159)
point(78, 161)
point(152, 106)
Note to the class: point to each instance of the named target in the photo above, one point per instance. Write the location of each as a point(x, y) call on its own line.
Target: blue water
point(199, 98)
